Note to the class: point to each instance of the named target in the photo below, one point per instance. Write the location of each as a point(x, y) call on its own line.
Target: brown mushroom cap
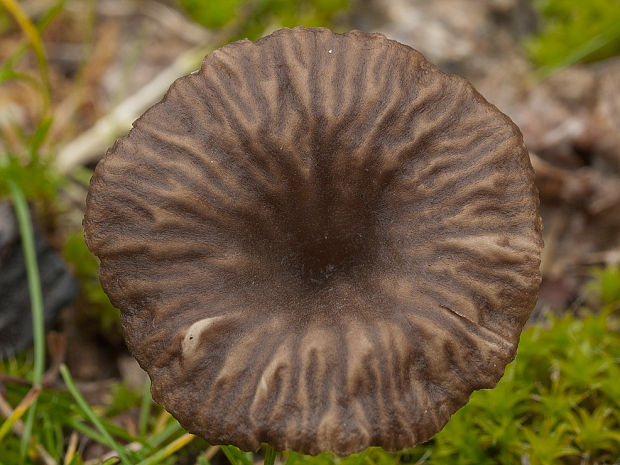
point(319, 241)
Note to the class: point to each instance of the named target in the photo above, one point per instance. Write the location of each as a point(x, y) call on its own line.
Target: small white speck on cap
point(330, 51)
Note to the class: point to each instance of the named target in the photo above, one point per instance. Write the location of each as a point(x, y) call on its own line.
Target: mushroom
point(319, 241)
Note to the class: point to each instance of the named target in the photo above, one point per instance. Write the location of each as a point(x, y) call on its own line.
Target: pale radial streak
point(495, 246)
point(405, 152)
point(298, 79)
point(143, 282)
point(168, 202)
point(261, 173)
point(426, 400)
point(373, 126)
point(356, 73)
point(427, 310)
point(397, 401)
point(435, 223)
point(317, 346)
point(506, 271)
point(451, 165)
point(457, 302)
point(461, 339)
point(279, 368)
point(199, 175)
point(232, 87)
point(451, 111)
point(398, 351)
point(465, 168)
point(464, 280)
point(211, 164)
point(287, 136)
point(361, 368)
point(332, 109)
point(473, 140)
point(165, 313)
point(234, 371)
point(488, 217)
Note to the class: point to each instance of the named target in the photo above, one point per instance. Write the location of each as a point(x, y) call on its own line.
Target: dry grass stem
point(42, 456)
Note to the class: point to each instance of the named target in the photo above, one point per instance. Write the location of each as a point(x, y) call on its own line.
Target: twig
point(18, 428)
point(89, 145)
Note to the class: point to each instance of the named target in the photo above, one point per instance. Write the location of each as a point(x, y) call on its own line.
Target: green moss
point(557, 403)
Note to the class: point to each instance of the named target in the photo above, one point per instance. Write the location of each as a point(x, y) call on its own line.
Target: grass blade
point(32, 33)
point(167, 451)
point(110, 442)
point(36, 299)
point(19, 410)
point(86, 431)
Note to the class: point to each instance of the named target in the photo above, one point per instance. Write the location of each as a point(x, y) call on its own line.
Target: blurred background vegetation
point(74, 74)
